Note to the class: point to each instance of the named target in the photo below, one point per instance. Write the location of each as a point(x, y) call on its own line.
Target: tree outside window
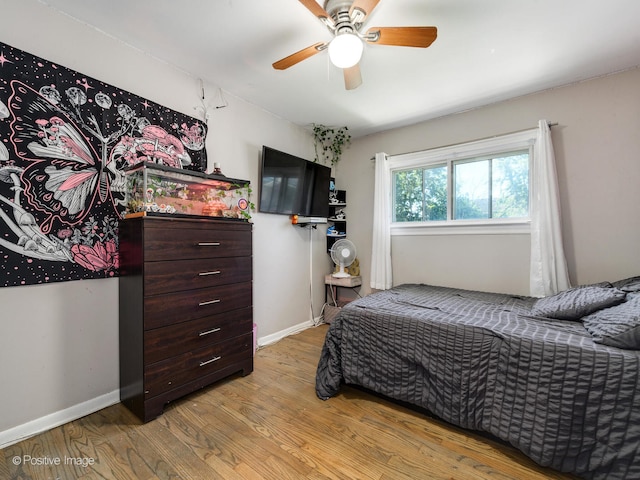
point(490, 187)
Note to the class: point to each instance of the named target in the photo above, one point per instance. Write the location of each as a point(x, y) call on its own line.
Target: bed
point(557, 378)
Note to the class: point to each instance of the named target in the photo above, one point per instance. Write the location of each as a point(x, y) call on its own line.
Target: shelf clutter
point(337, 217)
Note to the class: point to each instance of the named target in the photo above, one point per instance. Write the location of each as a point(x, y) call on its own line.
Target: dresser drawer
point(167, 309)
point(173, 372)
point(165, 342)
point(204, 241)
point(172, 276)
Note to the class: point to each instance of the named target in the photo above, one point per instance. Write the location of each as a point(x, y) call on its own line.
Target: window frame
point(517, 141)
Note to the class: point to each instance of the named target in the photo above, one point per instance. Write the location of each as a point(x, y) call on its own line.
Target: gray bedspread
point(480, 361)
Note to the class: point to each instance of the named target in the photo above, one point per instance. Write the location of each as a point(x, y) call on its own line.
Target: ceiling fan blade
point(297, 57)
point(362, 8)
point(402, 36)
point(352, 77)
point(318, 11)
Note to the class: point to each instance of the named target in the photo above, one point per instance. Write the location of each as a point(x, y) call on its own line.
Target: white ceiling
point(486, 51)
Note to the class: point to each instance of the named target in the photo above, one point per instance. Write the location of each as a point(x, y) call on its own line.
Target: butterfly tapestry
point(65, 141)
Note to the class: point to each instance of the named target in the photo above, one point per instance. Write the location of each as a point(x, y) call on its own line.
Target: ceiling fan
point(345, 18)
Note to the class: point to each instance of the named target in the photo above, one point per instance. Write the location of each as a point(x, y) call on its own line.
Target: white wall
point(597, 146)
point(59, 342)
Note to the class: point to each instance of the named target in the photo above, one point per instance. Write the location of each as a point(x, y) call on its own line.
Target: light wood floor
point(269, 425)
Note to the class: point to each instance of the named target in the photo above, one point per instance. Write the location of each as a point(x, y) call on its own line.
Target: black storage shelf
point(339, 223)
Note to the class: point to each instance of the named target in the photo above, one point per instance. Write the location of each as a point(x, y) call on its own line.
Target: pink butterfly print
point(65, 177)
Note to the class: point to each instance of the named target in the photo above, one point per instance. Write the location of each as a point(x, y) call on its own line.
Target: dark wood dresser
point(186, 316)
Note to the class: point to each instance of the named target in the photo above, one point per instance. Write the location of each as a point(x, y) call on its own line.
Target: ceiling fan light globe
point(345, 50)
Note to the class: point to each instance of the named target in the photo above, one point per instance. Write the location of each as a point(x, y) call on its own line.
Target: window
point(420, 194)
point(482, 183)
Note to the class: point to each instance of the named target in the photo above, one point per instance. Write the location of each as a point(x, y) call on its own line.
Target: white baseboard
point(42, 424)
point(274, 337)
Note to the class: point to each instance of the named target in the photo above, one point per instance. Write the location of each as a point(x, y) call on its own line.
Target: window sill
point(463, 228)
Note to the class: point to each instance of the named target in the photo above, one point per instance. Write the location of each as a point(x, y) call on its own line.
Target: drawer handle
point(208, 332)
point(214, 359)
point(215, 272)
point(202, 304)
point(208, 244)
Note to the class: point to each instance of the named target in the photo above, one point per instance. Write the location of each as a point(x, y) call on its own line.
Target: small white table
point(335, 283)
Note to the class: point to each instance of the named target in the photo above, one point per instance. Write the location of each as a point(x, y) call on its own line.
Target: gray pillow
point(617, 326)
point(575, 303)
point(631, 284)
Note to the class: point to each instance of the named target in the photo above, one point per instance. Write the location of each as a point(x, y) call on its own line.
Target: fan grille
point(343, 253)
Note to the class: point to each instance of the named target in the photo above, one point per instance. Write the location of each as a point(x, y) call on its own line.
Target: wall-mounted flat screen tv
point(291, 185)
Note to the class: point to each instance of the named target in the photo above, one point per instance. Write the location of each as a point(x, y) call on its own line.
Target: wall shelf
point(339, 224)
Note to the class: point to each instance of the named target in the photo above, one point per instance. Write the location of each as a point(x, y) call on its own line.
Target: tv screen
point(292, 185)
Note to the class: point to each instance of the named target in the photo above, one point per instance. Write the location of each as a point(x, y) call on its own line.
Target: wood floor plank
point(271, 426)
point(4, 466)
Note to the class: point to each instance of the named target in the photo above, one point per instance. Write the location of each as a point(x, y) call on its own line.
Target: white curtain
point(549, 273)
point(381, 278)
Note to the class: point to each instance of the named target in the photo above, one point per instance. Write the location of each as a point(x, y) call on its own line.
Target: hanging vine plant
point(329, 142)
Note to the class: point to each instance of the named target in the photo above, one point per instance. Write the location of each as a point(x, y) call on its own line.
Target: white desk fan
point(343, 253)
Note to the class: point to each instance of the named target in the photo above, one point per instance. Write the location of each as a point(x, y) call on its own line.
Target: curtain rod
point(551, 124)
